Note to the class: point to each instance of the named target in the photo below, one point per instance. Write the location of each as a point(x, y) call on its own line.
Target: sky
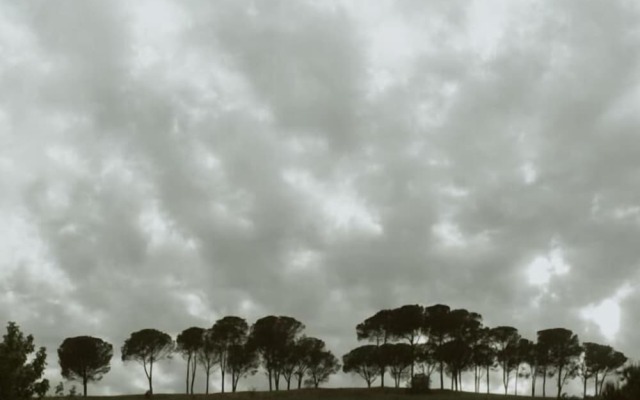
point(164, 164)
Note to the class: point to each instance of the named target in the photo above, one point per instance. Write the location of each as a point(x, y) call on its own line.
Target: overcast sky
point(164, 164)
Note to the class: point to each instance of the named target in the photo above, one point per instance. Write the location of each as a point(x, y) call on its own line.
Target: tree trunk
point(208, 371)
point(193, 372)
point(534, 376)
point(299, 381)
point(222, 373)
point(235, 377)
point(188, 372)
point(151, 377)
point(488, 386)
point(516, 389)
point(84, 384)
point(475, 378)
point(604, 376)
point(270, 385)
point(441, 375)
point(584, 389)
point(559, 382)
point(544, 383)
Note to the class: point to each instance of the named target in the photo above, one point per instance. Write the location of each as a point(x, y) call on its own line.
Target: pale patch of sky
point(342, 209)
point(542, 269)
point(607, 313)
point(449, 234)
point(304, 261)
point(529, 173)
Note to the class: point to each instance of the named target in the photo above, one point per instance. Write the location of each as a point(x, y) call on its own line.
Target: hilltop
point(318, 394)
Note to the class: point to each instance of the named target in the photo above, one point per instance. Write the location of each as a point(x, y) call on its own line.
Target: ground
point(320, 394)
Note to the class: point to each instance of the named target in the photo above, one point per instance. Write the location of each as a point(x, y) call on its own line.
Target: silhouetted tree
point(484, 357)
point(398, 357)
point(227, 332)
point(208, 356)
point(272, 337)
point(465, 327)
point(537, 358)
point(242, 360)
point(322, 364)
point(456, 354)
point(147, 346)
point(631, 378)
point(84, 358)
point(520, 356)
point(599, 361)
point(564, 350)
point(362, 361)
point(304, 348)
point(407, 323)
point(438, 327)
point(188, 343)
point(424, 358)
point(505, 340)
point(377, 329)
point(19, 379)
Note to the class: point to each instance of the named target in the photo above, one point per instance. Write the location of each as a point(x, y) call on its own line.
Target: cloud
point(165, 165)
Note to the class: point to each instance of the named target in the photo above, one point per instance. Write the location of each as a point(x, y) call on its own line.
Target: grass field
point(320, 394)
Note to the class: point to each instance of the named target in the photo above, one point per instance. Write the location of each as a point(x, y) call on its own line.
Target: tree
point(321, 366)
point(377, 329)
point(398, 357)
point(406, 324)
point(437, 327)
point(207, 356)
point(272, 337)
point(484, 357)
point(523, 348)
point(465, 328)
point(304, 348)
point(362, 361)
point(505, 339)
point(564, 350)
point(242, 361)
point(19, 379)
point(631, 379)
point(84, 358)
point(599, 361)
point(456, 354)
point(227, 332)
point(424, 358)
point(188, 343)
point(147, 346)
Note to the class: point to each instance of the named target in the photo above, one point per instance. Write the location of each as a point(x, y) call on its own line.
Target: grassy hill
point(320, 394)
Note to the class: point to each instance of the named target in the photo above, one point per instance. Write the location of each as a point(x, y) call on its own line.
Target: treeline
point(440, 340)
point(275, 343)
point(405, 343)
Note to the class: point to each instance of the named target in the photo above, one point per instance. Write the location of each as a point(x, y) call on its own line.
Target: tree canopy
point(85, 358)
point(146, 347)
point(188, 343)
point(21, 370)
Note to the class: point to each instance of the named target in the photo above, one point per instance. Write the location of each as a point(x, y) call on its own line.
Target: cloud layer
point(164, 165)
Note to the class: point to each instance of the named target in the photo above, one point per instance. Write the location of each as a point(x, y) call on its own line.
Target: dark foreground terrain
point(318, 394)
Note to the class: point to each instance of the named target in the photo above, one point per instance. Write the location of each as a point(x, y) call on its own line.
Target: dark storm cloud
point(164, 165)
